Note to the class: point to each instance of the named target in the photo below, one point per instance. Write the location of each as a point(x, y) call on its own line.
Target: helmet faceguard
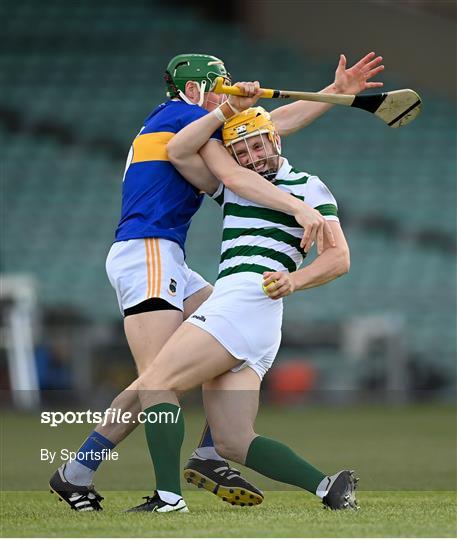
point(203, 69)
point(252, 139)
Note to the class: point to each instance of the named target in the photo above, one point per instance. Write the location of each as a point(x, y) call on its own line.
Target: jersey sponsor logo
point(172, 287)
point(201, 318)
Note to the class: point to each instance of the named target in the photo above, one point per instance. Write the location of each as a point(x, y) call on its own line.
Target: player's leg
point(231, 403)
point(205, 462)
point(231, 400)
point(191, 304)
point(146, 334)
point(194, 301)
point(152, 321)
point(188, 359)
point(148, 324)
point(228, 318)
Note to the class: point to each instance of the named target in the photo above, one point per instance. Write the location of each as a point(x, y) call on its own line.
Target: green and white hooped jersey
point(258, 239)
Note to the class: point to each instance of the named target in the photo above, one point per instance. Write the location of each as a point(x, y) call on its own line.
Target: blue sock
point(94, 443)
point(206, 448)
point(207, 438)
point(81, 471)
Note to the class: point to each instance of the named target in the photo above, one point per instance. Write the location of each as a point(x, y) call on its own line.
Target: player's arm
point(193, 138)
point(183, 149)
point(196, 172)
point(332, 263)
point(248, 184)
point(295, 116)
point(183, 152)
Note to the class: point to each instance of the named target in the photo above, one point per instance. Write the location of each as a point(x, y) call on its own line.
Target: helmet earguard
point(253, 122)
point(199, 68)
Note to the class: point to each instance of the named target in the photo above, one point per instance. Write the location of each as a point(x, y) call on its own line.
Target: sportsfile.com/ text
point(111, 415)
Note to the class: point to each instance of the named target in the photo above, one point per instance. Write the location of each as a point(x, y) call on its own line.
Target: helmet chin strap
point(201, 87)
point(202, 93)
point(183, 96)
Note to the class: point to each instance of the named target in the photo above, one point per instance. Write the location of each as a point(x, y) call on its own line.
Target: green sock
point(164, 440)
point(277, 461)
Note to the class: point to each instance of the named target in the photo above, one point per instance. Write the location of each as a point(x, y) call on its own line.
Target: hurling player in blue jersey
point(146, 265)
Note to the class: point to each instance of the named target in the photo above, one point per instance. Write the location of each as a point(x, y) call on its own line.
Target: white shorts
point(243, 319)
point(151, 268)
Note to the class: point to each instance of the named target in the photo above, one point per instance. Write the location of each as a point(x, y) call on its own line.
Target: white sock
point(78, 474)
point(207, 452)
point(322, 488)
point(168, 496)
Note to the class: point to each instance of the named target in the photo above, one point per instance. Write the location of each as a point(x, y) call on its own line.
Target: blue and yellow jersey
point(156, 200)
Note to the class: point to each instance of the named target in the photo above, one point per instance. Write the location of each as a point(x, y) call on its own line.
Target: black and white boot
point(341, 491)
point(79, 498)
point(157, 504)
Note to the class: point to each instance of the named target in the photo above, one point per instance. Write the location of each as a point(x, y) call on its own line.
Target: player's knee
point(121, 402)
point(153, 379)
point(160, 380)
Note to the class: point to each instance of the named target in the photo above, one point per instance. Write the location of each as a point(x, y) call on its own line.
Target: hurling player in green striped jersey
point(232, 339)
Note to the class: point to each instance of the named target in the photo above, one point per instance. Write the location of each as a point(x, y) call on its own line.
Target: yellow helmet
point(253, 122)
point(247, 124)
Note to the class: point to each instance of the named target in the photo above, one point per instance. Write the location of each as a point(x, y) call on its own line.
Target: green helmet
point(201, 68)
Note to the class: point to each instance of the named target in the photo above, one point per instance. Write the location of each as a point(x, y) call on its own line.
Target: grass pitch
point(292, 514)
point(405, 457)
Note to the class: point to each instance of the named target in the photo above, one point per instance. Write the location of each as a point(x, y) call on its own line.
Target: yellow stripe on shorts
point(154, 267)
point(159, 267)
point(148, 266)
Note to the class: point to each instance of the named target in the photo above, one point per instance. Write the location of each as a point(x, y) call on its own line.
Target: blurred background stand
point(18, 312)
point(78, 79)
point(376, 345)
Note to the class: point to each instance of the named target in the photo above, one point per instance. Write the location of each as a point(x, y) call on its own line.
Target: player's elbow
point(284, 130)
point(233, 176)
point(175, 152)
point(344, 261)
point(230, 180)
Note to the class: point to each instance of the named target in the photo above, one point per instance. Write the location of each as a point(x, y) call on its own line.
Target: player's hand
point(278, 284)
point(355, 79)
point(252, 92)
point(316, 229)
